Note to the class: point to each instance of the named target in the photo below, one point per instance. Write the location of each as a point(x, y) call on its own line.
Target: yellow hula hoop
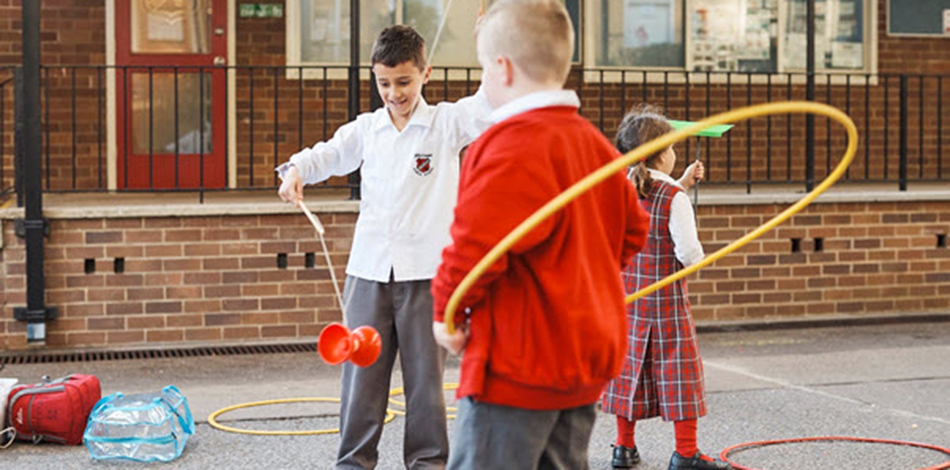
point(212, 418)
point(656, 145)
point(448, 386)
point(390, 413)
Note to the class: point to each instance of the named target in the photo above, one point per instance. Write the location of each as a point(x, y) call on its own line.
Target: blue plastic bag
point(145, 427)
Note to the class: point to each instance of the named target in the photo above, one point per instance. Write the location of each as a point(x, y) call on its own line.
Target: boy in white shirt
point(409, 152)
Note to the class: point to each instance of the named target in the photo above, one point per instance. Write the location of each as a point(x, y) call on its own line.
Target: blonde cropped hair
point(536, 35)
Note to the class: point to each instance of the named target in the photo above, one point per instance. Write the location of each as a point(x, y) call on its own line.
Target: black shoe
point(678, 462)
point(625, 457)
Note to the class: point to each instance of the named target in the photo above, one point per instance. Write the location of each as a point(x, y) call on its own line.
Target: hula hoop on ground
point(399, 391)
point(390, 413)
point(212, 418)
point(748, 445)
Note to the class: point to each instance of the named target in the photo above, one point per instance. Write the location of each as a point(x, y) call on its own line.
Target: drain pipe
point(353, 104)
point(33, 226)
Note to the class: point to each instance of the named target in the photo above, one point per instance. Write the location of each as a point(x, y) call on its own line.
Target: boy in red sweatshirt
point(546, 327)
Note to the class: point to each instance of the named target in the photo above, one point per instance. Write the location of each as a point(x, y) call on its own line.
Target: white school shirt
point(409, 183)
point(686, 244)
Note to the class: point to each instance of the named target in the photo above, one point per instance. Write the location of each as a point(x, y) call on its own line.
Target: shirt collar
point(421, 116)
point(659, 175)
point(538, 99)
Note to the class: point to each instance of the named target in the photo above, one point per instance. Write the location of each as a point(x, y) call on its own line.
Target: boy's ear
point(507, 69)
point(426, 74)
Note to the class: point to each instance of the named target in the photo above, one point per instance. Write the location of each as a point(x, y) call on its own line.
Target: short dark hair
point(397, 44)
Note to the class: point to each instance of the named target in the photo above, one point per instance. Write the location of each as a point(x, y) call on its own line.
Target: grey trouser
point(402, 314)
point(501, 437)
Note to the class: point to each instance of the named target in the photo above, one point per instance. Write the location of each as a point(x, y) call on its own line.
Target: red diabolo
point(337, 344)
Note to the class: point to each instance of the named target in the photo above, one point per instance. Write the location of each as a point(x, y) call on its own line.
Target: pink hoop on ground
point(725, 453)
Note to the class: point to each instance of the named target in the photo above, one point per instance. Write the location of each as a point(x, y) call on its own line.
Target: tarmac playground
point(883, 379)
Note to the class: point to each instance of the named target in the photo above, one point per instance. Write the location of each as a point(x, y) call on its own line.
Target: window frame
point(337, 71)
point(677, 74)
point(868, 42)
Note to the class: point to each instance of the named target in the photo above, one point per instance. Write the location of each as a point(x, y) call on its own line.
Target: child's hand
point(693, 174)
point(455, 343)
point(291, 189)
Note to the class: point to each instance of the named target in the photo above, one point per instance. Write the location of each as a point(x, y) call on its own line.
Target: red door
point(171, 93)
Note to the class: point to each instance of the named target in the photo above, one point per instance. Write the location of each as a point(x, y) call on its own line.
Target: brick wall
point(185, 279)
point(6, 129)
point(308, 111)
point(217, 279)
point(874, 258)
point(72, 33)
point(927, 55)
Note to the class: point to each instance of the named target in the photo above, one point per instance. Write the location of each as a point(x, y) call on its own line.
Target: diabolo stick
point(337, 344)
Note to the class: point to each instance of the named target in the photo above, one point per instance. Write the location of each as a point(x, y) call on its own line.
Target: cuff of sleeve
point(283, 169)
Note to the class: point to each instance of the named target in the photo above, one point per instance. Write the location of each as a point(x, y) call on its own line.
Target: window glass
point(839, 35)
point(455, 45)
point(574, 11)
point(639, 33)
point(170, 27)
point(153, 131)
point(325, 29)
point(733, 35)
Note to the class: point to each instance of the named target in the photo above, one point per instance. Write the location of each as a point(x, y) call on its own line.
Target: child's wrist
point(285, 169)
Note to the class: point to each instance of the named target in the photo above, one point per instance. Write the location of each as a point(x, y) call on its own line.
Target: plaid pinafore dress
point(663, 373)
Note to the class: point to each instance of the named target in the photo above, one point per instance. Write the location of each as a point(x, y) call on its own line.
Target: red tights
point(685, 435)
point(625, 429)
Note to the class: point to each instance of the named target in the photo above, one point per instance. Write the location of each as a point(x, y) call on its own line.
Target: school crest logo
point(422, 164)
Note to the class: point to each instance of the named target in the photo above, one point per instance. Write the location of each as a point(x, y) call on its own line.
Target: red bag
point(54, 411)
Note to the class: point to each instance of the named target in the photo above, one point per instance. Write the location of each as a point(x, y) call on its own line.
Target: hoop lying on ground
point(213, 421)
point(748, 445)
point(390, 413)
point(650, 148)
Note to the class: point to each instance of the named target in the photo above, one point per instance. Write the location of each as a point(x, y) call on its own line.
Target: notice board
point(918, 17)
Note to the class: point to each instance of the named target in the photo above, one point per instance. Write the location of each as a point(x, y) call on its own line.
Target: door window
point(170, 26)
point(194, 119)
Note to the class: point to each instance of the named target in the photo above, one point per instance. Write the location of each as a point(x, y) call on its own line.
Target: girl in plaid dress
point(663, 373)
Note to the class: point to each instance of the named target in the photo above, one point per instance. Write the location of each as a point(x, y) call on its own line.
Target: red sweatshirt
point(547, 320)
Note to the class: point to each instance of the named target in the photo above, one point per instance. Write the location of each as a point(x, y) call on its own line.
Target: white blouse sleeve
point(341, 155)
point(683, 231)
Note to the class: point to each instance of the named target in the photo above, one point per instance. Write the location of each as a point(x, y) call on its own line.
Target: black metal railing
point(771, 150)
point(900, 119)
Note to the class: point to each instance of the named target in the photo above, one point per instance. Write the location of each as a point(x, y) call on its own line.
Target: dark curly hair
point(398, 44)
